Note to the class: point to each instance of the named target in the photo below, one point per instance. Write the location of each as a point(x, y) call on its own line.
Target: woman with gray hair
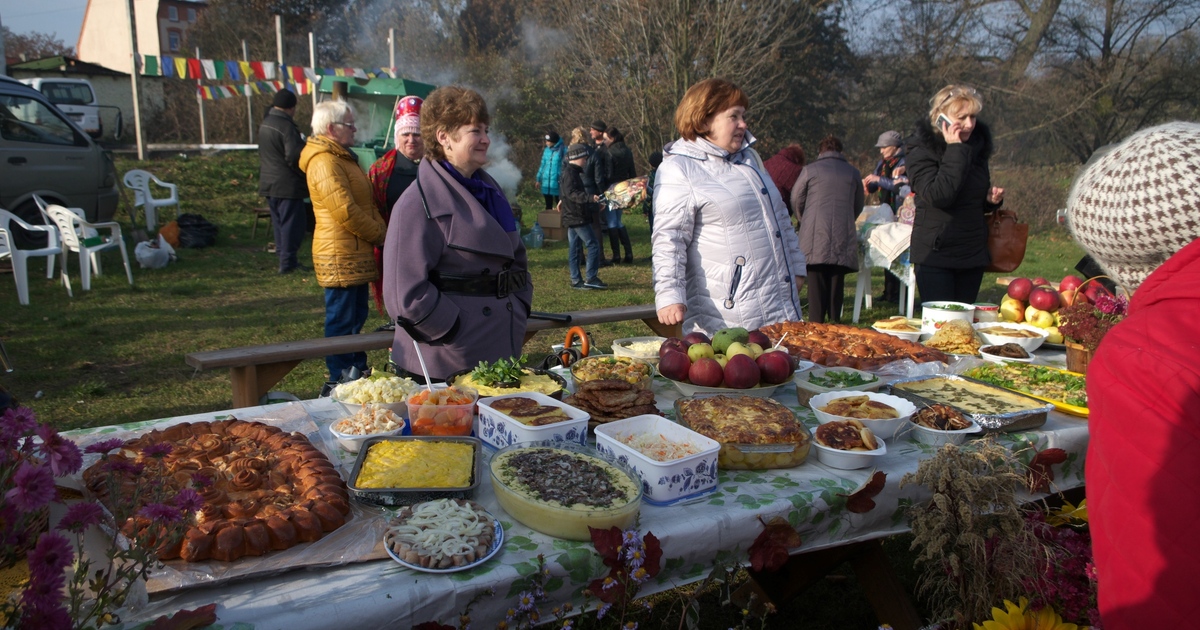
point(348, 227)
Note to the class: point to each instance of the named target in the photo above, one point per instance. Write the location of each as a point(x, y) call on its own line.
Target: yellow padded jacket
point(348, 225)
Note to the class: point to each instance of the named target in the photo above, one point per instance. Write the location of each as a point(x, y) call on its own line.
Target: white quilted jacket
point(712, 211)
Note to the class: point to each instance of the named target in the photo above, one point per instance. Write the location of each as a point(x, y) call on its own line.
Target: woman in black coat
point(948, 169)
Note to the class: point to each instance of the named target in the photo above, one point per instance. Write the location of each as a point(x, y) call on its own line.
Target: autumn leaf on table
point(1041, 472)
point(608, 545)
point(769, 551)
point(653, 561)
point(186, 619)
point(862, 500)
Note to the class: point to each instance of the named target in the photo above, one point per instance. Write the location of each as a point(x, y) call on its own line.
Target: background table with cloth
point(717, 527)
point(884, 244)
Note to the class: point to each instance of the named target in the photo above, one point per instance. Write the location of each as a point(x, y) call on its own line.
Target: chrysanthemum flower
point(81, 516)
point(33, 487)
point(104, 446)
point(62, 454)
point(49, 557)
point(158, 449)
point(161, 513)
point(189, 500)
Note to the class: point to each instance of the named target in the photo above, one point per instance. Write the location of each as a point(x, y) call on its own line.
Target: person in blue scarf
point(455, 273)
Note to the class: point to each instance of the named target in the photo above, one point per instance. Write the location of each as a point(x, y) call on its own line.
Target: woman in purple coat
point(455, 275)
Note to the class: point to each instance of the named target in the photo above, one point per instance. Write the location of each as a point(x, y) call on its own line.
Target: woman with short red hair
point(725, 253)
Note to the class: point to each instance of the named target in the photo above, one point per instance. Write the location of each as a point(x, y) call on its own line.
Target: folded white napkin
point(890, 240)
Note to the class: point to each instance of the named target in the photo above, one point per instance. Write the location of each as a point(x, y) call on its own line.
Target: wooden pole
point(392, 52)
point(200, 102)
point(135, 78)
point(312, 62)
point(279, 39)
point(249, 103)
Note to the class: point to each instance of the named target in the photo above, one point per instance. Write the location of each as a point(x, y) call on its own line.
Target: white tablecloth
point(720, 526)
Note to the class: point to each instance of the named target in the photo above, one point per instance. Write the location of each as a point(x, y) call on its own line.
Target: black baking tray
point(397, 497)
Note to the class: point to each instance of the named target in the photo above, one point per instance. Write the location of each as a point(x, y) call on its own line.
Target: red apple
point(672, 344)
point(696, 337)
point(674, 365)
point(1041, 282)
point(741, 372)
point(1044, 298)
point(1068, 296)
point(776, 367)
point(1070, 282)
point(1019, 288)
point(706, 373)
point(760, 338)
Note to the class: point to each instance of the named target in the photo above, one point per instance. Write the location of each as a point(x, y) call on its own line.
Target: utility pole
point(200, 103)
point(135, 80)
point(392, 52)
point(249, 107)
point(312, 63)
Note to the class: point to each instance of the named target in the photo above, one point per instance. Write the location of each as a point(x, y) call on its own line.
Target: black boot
point(614, 241)
point(627, 245)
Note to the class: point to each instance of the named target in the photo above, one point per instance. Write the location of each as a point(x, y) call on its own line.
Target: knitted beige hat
point(1136, 206)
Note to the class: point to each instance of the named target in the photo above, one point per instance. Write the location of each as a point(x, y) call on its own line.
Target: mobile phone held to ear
point(944, 122)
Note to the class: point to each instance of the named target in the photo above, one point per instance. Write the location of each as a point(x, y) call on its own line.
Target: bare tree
point(32, 45)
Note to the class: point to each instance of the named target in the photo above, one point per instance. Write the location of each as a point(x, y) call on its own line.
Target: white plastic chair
point(71, 226)
point(82, 233)
point(139, 181)
point(9, 249)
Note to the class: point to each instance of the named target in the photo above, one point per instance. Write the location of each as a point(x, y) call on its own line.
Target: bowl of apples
point(734, 361)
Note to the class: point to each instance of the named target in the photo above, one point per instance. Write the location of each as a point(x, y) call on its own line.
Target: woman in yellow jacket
point(348, 227)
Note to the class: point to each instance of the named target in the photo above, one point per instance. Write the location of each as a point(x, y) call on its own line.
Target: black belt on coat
point(499, 285)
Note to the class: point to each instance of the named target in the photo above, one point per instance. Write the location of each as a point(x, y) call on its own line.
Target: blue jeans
point(582, 236)
point(612, 218)
point(345, 314)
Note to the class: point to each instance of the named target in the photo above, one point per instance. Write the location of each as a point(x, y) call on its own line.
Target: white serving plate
point(663, 483)
point(849, 460)
point(933, 315)
point(1029, 343)
point(619, 348)
point(999, 359)
point(498, 429)
point(687, 389)
point(902, 334)
point(497, 543)
point(936, 437)
point(806, 389)
point(883, 429)
point(352, 442)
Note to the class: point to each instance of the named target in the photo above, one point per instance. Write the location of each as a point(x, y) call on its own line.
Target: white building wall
point(104, 36)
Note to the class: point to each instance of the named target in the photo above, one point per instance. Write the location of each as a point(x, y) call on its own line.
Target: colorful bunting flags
point(259, 77)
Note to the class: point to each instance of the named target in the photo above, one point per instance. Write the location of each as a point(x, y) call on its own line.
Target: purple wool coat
point(455, 237)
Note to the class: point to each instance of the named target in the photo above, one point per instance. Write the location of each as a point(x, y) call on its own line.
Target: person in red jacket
point(1136, 210)
point(784, 168)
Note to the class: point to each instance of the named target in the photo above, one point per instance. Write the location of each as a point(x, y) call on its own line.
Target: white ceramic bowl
point(353, 442)
point(883, 429)
point(934, 314)
point(937, 437)
point(849, 460)
point(497, 429)
point(663, 483)
point(1029, 343)
point(995, 358)
point(806, 389)
point(620, 348)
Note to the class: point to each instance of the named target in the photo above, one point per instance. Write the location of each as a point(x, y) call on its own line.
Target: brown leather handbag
point(1006, 240)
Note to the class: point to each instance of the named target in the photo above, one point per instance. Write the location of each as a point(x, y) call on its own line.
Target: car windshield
point(68, 93)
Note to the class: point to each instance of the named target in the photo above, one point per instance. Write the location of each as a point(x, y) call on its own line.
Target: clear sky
point(61, 18)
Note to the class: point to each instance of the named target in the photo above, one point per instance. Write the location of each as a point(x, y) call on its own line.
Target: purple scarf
point(487, 195)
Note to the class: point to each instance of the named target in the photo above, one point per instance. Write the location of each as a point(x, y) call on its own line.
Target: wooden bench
point(253, 370)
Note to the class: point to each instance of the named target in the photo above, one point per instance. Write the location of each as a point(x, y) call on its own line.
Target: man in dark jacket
point(578, 208)
point(598, 169)
point(280, 179)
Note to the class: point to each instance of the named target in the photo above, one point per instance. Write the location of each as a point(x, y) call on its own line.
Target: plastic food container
point(663, 483)
point(995, 339)
point(937, 437)
point(603, 366)
point(806, 389)
point(934, 314)
point(353, 442)
point(986, 312)
point(571, 523)
point(392, 497)
point(738, 456)
point(849, 460)
point(883, 429)
point(427, 419)
point(620, 348)
point(498, 429)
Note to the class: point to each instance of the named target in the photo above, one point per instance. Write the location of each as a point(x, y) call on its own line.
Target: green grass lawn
point(115, 354)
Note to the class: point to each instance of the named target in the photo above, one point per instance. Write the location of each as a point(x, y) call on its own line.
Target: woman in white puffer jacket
point(725, 253)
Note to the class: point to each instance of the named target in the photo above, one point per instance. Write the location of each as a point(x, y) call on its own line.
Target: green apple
point(726, 336)
point(1042, 319)
point(737, 348)
point(1054, 335)
point(699, 351)
point(722, 359)
point(1012, 311)
point(755, 350)
point(1030, 311)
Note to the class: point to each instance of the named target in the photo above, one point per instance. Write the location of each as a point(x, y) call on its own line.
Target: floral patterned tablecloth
point(718, 527)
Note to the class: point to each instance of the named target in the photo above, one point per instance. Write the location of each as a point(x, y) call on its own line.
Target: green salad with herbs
point(1037, 380)
point(837, 379)
point(501, 373)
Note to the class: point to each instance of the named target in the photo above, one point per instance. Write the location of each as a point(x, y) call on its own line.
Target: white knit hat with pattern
point(1140, 203)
